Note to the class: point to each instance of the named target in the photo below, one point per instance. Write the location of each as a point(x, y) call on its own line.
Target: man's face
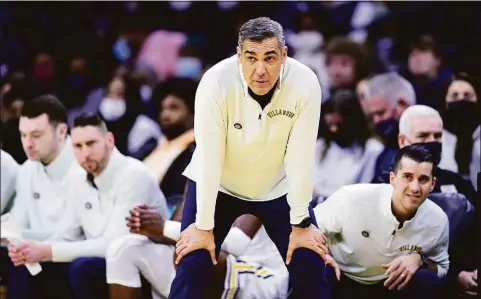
point(461, 90)
point(378, 109)
point(261, 63)
point(341, 70)
point(422, 62)
point(173, 112)
point(92, 148)
point(412, 182)
point(423, 129)
point(40, 139)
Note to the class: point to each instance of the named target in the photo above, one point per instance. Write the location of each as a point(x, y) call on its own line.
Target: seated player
point(100, 197)
point(248, 267)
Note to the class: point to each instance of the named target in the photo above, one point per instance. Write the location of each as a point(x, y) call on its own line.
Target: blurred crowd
point(392, 74)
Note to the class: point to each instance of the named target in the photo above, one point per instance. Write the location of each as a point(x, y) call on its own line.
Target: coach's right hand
point(192, 239)
point(310, 238)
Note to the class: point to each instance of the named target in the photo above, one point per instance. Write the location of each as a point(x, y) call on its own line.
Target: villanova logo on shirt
point(36, 195)
point(277, 112)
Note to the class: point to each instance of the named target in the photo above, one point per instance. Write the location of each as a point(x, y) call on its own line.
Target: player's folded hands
point(310, 238)
point(192, 239)
point(145, 220)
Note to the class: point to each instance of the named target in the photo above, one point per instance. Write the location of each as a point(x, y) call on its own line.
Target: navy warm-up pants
point(306, 270)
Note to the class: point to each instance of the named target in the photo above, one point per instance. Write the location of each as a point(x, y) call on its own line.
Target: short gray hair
point(259, 29)
point(415, 110)
point(391, 87)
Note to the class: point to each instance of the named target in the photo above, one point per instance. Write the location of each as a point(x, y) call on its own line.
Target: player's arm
point(241, 234)
point(210, 136)
point(131, 189)
point(300, 153)
point(23, 195)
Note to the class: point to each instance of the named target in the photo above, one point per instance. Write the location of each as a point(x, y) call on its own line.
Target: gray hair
point(391, 87)
point(416, 110)
point(259, 29)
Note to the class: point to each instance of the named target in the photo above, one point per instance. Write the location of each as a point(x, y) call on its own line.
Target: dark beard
point(173, 131)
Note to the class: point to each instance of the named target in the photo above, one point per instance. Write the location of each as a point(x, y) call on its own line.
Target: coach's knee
point(198, 261)
point(306, 259)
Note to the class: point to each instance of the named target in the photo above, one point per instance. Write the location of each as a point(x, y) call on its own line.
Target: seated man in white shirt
point(388, 240)
point(41, 181)
point(150, 251)
point(100, 197)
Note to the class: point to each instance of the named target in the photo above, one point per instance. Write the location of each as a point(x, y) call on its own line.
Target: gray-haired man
point(256, 123)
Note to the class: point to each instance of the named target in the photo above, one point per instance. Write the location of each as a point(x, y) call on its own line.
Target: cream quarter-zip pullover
point(250, 153)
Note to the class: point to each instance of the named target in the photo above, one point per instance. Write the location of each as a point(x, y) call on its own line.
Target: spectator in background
point(307, 44)
point(426, 71)
point(461, 145)
point(421, 124)
point(346, 153)
point(76, 81)
point(173, 152)
point(345, 62)
point(189, 65)
point(388, 96)
point(122, 109)
point(43, 77)
point(13, 97)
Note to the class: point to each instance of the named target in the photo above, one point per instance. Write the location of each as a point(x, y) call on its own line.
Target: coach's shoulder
point(300, 71)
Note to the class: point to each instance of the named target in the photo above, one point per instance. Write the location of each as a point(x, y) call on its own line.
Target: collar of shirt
point(386, 208)
point(104, 180)
point(244, 82)
point(385, 200)
point(58, 168)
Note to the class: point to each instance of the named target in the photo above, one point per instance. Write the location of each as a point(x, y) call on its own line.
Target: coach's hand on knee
point(310, 238)
point(192, 239)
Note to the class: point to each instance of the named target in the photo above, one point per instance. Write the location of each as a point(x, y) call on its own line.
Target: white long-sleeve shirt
point(251, 153)
point(41, 194)
point(363, 233)
point(9, 170)
point(96, 215)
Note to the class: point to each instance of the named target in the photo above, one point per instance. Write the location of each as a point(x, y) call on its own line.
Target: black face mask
point(462, 117)
point(388, 130)
point(435, 148)
point(342, 137)
point(173, 131)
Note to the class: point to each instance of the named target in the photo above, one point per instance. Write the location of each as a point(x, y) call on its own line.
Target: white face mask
point(112, 109)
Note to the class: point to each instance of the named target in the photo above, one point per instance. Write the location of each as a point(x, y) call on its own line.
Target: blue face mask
point(388, 130)
point(189, 67)
point(121, 49)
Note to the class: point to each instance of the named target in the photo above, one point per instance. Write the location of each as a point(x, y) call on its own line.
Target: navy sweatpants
point(83, 278)
point(307, 269)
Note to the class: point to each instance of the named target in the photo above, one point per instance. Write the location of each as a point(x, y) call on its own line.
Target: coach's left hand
point(310, 238)
point(192, 239)
point(401, 270)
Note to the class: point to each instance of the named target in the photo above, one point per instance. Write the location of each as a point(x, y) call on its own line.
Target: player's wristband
point(172, 230)
point(236, 242)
